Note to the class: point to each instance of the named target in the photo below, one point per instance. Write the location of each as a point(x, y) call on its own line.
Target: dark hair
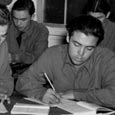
point(24, 5)
point(4, 15)
point(88, 25)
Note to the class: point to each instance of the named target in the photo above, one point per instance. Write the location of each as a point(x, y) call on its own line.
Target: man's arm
point(31, 82)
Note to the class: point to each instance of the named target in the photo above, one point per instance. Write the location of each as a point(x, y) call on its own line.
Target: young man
point(27, 39)
point(6, 81)
point(78, 70)
point(102, 12)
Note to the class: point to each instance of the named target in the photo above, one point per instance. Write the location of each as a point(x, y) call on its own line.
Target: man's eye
point(76, 44)
point(90, 48)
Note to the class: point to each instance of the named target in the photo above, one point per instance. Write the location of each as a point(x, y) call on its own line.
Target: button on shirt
point(93, 82)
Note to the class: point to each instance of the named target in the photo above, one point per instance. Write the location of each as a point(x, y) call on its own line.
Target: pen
point(49, 81)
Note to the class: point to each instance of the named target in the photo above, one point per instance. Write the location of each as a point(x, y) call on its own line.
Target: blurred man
point(27, 39)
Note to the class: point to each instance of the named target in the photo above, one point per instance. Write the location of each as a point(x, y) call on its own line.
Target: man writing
point(78, 70)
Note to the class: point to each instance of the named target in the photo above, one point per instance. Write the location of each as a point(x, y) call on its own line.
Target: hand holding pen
point(50, 96)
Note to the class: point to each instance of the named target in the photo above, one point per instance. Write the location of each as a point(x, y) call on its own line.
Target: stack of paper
point(33, 109)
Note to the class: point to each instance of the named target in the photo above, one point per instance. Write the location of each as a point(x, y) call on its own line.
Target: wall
point(57, 35)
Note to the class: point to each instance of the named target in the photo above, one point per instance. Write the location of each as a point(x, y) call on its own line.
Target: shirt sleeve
point(6, 80)
point(31, 82)
point(105, 95)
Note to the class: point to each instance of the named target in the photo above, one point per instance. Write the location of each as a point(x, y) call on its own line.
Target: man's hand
point(51, 97)
point(4, 97)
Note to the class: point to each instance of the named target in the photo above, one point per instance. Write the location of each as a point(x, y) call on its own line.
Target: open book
point(78, 108)
point(74, 108)
point(99, 109)
point(33, 109)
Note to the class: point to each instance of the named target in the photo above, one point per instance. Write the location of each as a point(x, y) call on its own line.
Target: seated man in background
point(6, 81)
point(78, 70)
point(102, 11)
point(27, 39)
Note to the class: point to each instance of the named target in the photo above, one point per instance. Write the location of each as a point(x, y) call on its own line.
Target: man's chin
point(20, 29)
point(78, 63)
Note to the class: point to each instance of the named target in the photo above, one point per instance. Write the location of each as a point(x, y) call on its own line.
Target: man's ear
point(33, 17)
point(67, 38)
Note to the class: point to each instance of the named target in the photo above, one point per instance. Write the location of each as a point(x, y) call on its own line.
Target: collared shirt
point(34, 42)
point(94, 81)
point(109, 36)
point(6, 80)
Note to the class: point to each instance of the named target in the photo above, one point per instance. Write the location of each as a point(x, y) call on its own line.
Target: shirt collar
point(27, 31)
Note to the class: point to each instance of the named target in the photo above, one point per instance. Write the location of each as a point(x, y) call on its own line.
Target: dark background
point(54, 9)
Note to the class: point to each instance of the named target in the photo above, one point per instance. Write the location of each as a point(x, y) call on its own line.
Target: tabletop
point(17, 98)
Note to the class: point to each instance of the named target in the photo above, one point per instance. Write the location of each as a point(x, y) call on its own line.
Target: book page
point(73, 107)
point(100, 110)
point(40, 102)
point(92, 106)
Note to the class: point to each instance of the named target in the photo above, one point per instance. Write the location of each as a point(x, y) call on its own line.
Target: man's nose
point(81, 52)
point(19, 22)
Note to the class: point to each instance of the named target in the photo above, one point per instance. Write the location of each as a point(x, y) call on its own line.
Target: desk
point(19, 98)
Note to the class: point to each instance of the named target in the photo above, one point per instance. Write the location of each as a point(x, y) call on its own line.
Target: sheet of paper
point(3, 108)
point(35, 100)
point(39, 102)
point(88, 105)
point(74, 108)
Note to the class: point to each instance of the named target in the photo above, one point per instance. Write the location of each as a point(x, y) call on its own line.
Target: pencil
point(49, 81)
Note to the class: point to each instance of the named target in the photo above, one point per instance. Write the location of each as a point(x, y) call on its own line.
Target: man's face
point(3, 32)
point(81, 47)
point(21, 19)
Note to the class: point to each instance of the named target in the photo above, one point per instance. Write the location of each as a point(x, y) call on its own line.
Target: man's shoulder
point(56, 50)
point(109, 23)
point(39, 26)
point(103, 53)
